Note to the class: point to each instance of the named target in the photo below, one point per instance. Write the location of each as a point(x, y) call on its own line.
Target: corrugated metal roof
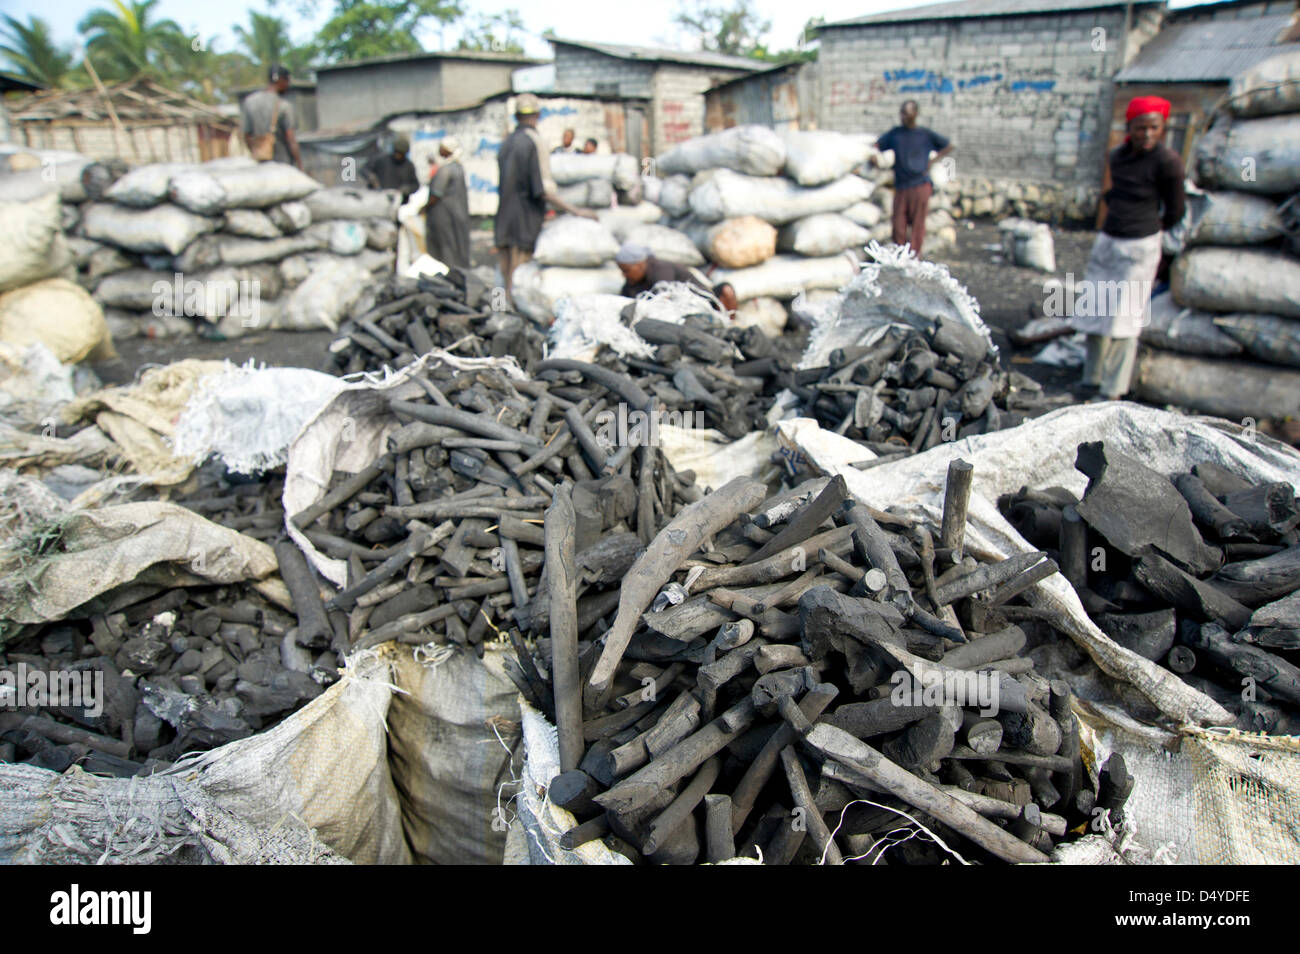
point(652, 54)
point(966, 9)
point(796, 66)
point(1208, 50)
point(487, 56)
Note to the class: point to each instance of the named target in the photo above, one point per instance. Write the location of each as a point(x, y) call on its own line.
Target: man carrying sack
point(268, 122)
point(1146, 196)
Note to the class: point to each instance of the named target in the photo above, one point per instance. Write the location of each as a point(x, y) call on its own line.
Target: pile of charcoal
point(807, 680)
point(729, 377)
point(909, 391)
point(1199, 572)
point(397, 319)
point(442, 532)
point(702, 375)
point(185, 670)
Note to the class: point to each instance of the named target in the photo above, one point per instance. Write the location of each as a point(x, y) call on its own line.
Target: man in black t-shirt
point(912, 145)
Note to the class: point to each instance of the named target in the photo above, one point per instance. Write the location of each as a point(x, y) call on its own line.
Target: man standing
point(1146, 196)
point(912, 145)
point(642, 271)
point(524, 187)
point(268, 122)
point(446, 223)
point(566, 143)
point(394, 171)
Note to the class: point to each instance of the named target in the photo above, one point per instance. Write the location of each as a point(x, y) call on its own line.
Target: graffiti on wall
point(904, 81)
point(482, 129)
point(674, 126)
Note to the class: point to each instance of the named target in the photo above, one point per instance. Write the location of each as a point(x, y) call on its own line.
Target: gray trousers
point(1108, 364)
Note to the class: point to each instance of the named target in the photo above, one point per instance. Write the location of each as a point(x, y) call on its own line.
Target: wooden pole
point(560, 576)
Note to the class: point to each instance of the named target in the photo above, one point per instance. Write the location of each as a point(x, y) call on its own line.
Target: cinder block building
point(673, 81)
point(1024, 88)
point(1194, 57)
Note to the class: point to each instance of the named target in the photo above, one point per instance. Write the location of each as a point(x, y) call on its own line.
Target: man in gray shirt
point(265, 107)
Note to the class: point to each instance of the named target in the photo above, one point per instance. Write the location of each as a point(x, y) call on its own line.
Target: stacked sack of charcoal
point(1236, 284)
point(41, 193)
point(230, 244)
point(776, 214)
point(575, 256)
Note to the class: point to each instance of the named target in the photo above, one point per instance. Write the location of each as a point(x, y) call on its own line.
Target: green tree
point(266, 42)
point(737, 30)
point(364, 28)
point(494, 32)
point(188, 64)
point(804, 52)
point(33, 54)
point(125, 41)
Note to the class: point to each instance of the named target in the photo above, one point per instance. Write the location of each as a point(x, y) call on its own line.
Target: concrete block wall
point(465, 82)
point(678, 104)
point(140, 144)
point(481, 130)
point(1027, 96)
point(362, 95)
point(580, 71)
point(676, 91)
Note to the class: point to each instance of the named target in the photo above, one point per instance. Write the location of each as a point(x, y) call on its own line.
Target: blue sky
point(576, 19)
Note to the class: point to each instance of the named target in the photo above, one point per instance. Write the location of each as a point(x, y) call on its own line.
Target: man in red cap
point(1146, 196)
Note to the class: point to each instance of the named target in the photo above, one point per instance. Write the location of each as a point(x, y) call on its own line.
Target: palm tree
point(125, 41)
point(33, 54)
point(267, 42)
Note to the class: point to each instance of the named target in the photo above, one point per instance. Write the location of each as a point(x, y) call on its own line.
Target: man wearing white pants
point(1146, 196)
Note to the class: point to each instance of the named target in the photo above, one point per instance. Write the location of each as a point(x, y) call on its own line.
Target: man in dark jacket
point(912, 145)
point(642, 271)
point(394, 171)
point(524, 187)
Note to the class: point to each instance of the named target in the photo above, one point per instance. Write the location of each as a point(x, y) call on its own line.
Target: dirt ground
point(1008, 296)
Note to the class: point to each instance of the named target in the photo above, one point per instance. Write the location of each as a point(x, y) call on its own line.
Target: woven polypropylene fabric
point(1246, 790)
